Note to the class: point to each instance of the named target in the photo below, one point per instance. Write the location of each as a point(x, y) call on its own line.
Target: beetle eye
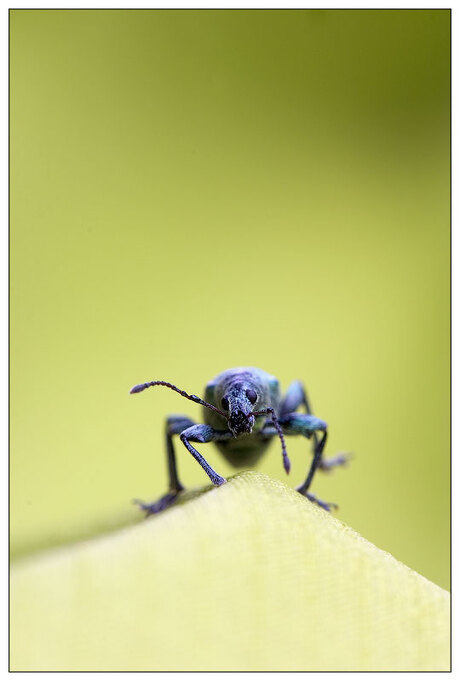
point(224, 403)
point(251, 395)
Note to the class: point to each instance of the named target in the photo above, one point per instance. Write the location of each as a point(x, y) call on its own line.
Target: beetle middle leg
point(188, 431)
point(295, 397)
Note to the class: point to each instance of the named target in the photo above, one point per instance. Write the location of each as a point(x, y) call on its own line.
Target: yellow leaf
point(249, 576)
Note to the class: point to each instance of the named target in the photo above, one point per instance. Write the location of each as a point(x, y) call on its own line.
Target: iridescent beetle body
point(243, 410)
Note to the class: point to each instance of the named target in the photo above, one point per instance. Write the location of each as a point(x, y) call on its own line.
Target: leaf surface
point(249, 576)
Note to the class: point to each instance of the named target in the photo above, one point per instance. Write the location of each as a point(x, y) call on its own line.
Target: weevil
point(243, 410)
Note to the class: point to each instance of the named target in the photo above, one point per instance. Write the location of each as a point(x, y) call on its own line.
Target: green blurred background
point(193, 190)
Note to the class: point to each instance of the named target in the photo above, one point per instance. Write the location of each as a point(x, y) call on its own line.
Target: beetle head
point(238, 402)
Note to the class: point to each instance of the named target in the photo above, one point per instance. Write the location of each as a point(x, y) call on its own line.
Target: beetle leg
point(327, 464)
point(308, 426)
point(188, 430)
point(204, 433)
point(295, 397)
point(314, 465)
point(327, 505)
point(157, 506)
point(175, 424)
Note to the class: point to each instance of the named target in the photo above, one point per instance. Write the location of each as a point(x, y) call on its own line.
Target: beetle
point(243, 410)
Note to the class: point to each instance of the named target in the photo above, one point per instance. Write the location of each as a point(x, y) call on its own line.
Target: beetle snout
point(240, 423)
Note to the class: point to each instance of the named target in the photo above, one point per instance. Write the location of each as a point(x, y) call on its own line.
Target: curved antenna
point(269, 410)
point(194, 398)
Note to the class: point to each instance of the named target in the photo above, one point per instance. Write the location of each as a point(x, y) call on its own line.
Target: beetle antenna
point(194, 398)
point(269, 410)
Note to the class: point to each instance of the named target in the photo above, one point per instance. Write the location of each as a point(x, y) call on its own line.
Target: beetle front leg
point(308, 426)
point(204, 433)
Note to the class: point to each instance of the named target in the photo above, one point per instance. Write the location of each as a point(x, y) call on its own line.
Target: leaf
point(249, 576)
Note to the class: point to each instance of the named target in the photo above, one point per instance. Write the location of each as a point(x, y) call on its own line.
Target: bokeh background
point(198, 189)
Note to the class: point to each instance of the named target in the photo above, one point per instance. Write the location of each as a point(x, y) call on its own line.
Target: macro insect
point(243, 410)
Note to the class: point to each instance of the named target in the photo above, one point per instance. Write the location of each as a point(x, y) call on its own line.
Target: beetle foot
point(327, 505)
point(218, 480)
point(157, 506)
point(340, 459)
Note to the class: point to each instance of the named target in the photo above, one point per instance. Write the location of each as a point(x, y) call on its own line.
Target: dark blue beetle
point(243, 410)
